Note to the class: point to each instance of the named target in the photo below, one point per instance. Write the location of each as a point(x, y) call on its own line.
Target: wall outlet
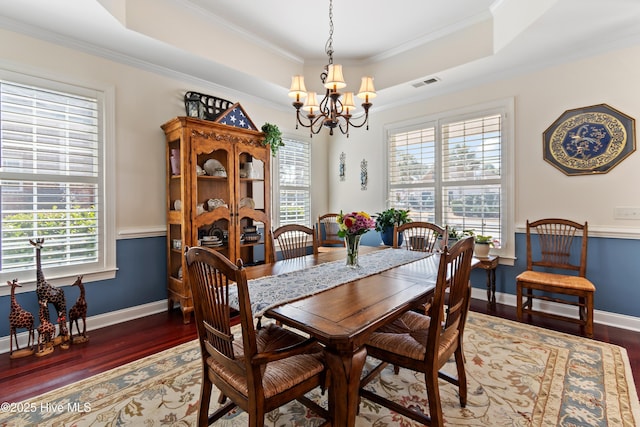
point(622, 212)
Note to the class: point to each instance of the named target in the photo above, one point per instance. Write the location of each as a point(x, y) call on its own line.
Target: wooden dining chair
point(418, 236)
point(262, 369)
point(425, 343)
point(328, 238)
point(294, 240)
point(560, 247)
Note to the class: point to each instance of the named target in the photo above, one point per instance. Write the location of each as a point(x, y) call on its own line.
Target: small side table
point(489, 264)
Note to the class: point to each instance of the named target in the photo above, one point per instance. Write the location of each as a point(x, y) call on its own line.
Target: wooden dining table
point(343, 317)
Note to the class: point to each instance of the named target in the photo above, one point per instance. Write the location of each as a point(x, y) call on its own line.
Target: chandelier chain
point(329, 46)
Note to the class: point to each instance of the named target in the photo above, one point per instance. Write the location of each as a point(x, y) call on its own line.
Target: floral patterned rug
point(518, 375)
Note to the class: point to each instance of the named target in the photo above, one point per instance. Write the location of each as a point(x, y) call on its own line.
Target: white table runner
point(272, 291)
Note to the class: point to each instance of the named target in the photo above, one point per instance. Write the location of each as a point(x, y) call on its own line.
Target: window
point(52, 186)
point(293, 191)
point(454, 170)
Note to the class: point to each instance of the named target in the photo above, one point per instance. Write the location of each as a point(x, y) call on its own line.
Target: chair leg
point(519, 301)
point(462, 377)
point(589, 309)
point(433, 394)
point(205, 398)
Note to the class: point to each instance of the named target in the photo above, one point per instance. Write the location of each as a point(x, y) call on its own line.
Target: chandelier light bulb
point(335, 80)
point(367, 90)
point(311, 103)
point(347, 103)
point(297, 90)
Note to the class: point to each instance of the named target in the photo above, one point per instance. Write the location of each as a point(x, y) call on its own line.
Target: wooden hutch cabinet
point(218, 195)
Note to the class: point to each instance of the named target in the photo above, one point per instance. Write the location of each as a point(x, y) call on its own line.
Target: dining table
point(343, 315)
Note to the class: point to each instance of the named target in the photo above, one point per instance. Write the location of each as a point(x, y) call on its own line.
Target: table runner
point(271, 291)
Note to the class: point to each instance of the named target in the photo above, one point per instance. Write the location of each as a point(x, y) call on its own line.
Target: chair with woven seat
point(425, 343)
point(328, 228)
point(294, 240)
point(418, 236)
point(560, 247)
point(262, 369)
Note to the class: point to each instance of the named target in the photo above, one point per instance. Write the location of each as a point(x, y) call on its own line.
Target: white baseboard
point(115, 317)
point(99, 321)
point(602, 317)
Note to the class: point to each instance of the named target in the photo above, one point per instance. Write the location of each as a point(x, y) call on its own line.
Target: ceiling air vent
point(426, 82)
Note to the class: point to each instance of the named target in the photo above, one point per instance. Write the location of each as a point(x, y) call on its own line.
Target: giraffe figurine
point(79, 311)
point(19, 318)
point(46, 331)
point(52, 294)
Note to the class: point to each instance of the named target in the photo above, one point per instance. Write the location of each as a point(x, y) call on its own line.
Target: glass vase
point(352, 242)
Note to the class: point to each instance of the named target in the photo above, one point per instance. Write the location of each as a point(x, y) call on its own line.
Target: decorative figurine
point(19, 318)
point(52, 294)
point(46, 331)
point(79, 311)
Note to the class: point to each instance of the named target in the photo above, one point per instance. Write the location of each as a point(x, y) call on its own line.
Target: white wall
point(540, 98)
point(145, 100)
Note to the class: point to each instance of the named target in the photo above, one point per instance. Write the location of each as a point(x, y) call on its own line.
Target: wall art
point(364, 178)
point(589, 140)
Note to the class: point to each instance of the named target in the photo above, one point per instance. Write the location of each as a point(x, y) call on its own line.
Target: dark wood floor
point(119, 344)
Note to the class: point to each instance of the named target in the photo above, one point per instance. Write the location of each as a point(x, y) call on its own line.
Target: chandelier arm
point(312, 122)
point(364, 121)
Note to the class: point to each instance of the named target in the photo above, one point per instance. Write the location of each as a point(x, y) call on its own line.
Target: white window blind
point(471, 174)
point(412, 172)
point(49, 178)
point(294, 171)
point(450, 170)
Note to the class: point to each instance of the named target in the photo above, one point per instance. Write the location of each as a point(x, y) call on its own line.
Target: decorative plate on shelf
point(214, 168)
point(247, 202)
point(217, 233)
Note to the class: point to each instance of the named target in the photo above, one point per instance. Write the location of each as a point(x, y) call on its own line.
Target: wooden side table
point(489, 264)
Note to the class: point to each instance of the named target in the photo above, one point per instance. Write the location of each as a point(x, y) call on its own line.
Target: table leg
point(345, 369)
point(491, 286)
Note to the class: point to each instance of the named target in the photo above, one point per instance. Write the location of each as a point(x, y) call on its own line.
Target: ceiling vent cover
point(425, 82)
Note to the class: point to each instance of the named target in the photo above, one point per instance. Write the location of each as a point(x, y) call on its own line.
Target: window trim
point(105, 94)
point(506, 107)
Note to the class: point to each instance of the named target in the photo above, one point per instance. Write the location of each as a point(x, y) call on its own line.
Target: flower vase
point(352, 242)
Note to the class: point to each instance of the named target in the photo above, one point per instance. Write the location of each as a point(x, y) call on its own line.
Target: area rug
point(518, 375)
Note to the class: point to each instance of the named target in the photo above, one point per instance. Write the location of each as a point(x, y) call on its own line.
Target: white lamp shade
point(297, 90)
point(367, 91)
point(335, 80)
point(311, 103)
point(347, 102)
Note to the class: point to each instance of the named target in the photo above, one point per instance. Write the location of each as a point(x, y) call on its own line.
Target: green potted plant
point(272, 137)
point(483, 245)
point(385, 221)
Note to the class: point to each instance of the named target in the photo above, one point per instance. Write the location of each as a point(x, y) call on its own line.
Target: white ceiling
point(253, 47)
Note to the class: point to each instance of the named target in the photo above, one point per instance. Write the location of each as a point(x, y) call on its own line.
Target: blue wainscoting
point(613, 265)
point(140, 279)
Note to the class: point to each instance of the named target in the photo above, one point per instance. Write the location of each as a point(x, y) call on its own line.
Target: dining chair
point(418, 236)
point(328, 238)
point(262, 369)
point(294, 240)
point(425, 343)
point(555, 247)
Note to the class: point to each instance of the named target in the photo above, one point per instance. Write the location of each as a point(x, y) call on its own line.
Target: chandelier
point(335, 110)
